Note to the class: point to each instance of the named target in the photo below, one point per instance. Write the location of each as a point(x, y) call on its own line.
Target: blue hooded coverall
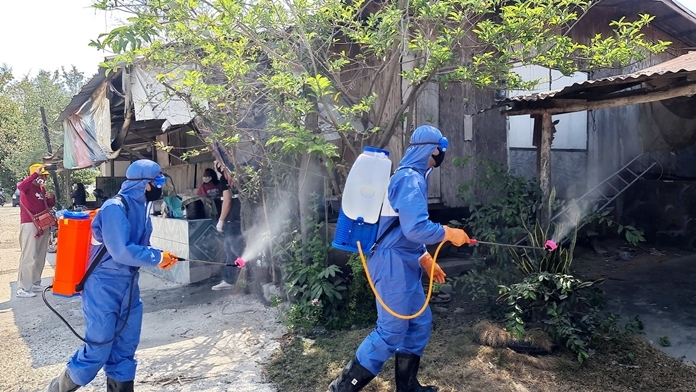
point(394, 265)
point(106, 293)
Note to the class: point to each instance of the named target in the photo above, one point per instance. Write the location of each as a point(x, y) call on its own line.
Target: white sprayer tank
point(366, 185)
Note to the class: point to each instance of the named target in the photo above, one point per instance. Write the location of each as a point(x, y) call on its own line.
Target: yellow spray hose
point(379, 299)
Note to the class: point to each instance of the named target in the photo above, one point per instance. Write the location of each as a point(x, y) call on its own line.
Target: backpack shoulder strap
point(123, 200)
point(395, 223)
point(406, 167)
point(102, 252)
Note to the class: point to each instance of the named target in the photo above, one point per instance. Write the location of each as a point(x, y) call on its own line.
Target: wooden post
point(49, 149)
point(544, 156)
point(536, 142)
point(68, 185)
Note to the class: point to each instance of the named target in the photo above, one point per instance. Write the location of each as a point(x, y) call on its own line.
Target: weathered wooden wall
point(187, 178)
point(487, 141)
point(387, 86)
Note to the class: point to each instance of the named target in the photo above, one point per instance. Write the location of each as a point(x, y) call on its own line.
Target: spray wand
point(548, 246)
point(239, 263)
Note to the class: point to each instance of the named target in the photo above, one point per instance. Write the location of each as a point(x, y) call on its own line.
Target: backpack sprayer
point(364, 198)
point(72, 258)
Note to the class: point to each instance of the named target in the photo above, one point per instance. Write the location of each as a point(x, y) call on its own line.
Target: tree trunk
point(545, 167)
point(304, 193)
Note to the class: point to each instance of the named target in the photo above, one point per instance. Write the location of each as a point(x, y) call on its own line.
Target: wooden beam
point(68, 186)
point(133, 152)
point(607, 103)
point(47, 138)
point(544, 154)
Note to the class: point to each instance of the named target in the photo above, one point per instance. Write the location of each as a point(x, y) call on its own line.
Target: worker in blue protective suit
point(396, 265)
point(111, 297)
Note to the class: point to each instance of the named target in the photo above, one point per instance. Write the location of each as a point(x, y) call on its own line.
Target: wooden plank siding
point(489, 138)
point(427, 112)
point(187, 178)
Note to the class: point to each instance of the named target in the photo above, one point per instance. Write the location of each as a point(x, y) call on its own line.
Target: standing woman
point(33, 243)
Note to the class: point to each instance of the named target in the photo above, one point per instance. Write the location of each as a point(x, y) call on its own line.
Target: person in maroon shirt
point(210, 186)
point(33, 199)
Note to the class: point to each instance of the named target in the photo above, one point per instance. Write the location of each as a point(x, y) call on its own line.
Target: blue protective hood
point(143, 168)
point(417, 156)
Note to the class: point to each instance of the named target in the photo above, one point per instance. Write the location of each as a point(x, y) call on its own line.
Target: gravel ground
point(193, 339)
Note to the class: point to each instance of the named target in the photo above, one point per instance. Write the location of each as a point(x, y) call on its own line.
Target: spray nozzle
point(550, 246)
point(239, 262)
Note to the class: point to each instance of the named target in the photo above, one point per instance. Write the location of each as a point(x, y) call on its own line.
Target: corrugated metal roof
point(681, 64)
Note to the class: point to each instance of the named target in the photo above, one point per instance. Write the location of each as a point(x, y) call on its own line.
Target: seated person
point(211, 185)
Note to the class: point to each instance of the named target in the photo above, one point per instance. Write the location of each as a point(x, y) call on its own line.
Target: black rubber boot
point(62, 383)
point(352, 379)
point(407, 374)
point(118, 386)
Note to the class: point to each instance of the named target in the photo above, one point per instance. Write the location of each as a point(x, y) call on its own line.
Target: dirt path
point(193, 339)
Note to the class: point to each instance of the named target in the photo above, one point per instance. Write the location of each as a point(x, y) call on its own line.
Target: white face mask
point(207, 179)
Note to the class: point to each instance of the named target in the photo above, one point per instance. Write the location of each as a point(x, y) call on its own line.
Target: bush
point(315, 287)
point(322, 294)
point(511, 204)
point(535, 286)
point(567, 308)
point(358, 309)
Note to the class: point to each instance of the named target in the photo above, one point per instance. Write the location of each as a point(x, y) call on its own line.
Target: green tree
point(12, 140)
point(334, 65)
point(5, 76)
point(21, 134)
point(306, 54)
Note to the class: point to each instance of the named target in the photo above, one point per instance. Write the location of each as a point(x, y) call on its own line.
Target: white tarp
point(152, 101)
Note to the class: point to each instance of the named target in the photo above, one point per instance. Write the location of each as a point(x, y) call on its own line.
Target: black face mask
point(153, 194)
point(439, 157)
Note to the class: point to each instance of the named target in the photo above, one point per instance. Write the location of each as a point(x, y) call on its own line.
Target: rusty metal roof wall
point(684, 63)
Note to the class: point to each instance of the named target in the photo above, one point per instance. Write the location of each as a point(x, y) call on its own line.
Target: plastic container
point(365, 190)
point(72, 255)
point(349, 232)
point(366, 185)
point(75, 215)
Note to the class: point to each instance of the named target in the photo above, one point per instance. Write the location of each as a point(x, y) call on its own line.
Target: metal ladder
point(623, 178)
point(614, 185)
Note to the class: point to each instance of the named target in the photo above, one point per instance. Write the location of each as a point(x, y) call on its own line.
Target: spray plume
point(260, 235)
